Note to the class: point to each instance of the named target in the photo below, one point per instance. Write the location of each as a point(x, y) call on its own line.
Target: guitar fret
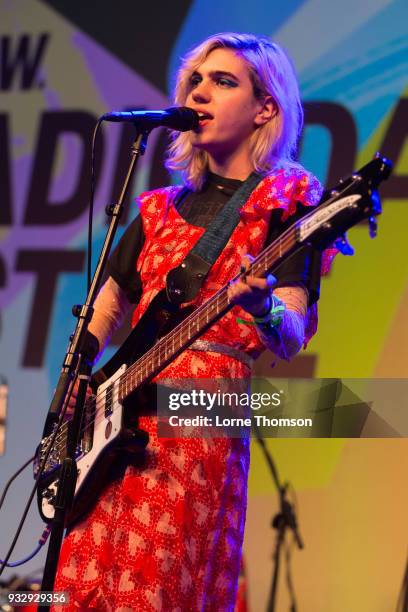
point(168, 347)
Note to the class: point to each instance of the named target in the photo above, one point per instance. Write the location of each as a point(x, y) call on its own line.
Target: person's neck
point(234, 166)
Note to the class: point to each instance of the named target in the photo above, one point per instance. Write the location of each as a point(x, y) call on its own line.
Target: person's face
point(221, 88)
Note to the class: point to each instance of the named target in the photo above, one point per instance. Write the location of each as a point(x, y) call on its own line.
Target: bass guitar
point(109, 426)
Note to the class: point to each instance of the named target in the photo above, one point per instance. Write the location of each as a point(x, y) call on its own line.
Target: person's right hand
point(73, 399)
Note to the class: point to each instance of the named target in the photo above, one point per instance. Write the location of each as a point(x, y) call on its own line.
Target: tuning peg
point(372, 227)
point(343, 245)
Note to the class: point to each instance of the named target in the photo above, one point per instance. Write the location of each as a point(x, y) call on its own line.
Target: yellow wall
point(352, 502)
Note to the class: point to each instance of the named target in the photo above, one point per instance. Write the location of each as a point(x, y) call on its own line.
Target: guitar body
point(110, 424)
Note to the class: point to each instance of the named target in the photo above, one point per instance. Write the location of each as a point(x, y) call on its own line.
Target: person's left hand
point(251, 293)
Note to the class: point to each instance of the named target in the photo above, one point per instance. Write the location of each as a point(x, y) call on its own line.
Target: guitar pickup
point(109, 400)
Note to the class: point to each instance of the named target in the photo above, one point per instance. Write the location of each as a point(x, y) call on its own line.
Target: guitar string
point(101, 399)
point(256, 265)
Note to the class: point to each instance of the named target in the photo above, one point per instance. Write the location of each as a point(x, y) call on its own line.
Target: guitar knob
point(343, 245)
point(372, 227)
point(76, 310)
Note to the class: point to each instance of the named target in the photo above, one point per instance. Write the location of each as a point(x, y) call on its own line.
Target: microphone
point(180, 118)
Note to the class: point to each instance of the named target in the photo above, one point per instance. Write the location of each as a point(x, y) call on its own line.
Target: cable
point(40, 471)
point(41, 542)
point(6, 488)
point(91, 204)
point(4, 563)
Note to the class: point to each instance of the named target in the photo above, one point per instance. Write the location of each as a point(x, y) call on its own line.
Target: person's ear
point(268, 111)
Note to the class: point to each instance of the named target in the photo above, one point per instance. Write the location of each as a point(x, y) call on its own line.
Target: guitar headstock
point(350, 202)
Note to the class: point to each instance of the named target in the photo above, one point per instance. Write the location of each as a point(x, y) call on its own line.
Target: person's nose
point(201, 93)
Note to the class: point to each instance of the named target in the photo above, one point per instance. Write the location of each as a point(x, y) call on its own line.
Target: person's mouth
point(204, 118)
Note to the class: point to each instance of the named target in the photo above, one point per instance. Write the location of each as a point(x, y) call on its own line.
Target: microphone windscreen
point(182, 118)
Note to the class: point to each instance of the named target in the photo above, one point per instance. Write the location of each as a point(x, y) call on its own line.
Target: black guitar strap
point(185, 281)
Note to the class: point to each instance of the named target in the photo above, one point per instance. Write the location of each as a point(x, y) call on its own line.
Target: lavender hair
point(272, 145)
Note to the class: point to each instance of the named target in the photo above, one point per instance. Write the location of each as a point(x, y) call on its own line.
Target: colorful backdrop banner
point(63, 65)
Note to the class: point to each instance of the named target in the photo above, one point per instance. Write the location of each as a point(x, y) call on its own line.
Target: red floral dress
point(168, 537)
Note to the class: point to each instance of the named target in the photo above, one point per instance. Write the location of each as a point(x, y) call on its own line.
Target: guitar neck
point(184, 334)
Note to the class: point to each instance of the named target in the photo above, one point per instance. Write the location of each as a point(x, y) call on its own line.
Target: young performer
point(168, 535)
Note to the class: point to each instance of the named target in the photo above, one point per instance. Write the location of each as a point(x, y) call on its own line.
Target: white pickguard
point(106, 429)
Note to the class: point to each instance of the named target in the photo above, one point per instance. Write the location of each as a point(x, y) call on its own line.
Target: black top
point(198, 208)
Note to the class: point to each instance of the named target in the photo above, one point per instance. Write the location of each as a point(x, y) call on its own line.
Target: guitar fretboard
point(184, 334)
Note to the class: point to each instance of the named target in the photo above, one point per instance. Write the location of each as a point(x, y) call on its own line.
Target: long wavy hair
point(273, 144)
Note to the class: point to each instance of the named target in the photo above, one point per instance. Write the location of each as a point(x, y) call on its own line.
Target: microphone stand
point(81, 352)
point(285, 518)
